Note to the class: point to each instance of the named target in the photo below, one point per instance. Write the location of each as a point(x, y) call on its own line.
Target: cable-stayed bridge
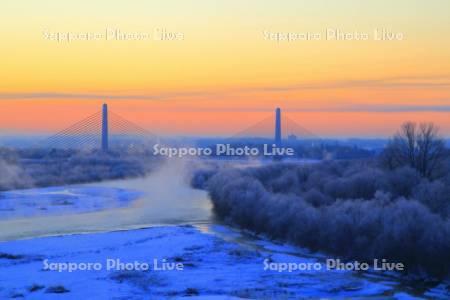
point(106, 129)
point(276, 127)
point(101, 130)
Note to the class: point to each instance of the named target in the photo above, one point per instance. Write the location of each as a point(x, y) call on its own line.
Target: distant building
point(292, 137)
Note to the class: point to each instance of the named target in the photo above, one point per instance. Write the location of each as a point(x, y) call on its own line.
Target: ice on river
point(62, 200)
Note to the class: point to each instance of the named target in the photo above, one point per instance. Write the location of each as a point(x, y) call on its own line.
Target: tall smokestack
point(105, 128)
point(278, 127)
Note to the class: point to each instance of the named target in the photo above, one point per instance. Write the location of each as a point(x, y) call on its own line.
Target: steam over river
point(163, 198)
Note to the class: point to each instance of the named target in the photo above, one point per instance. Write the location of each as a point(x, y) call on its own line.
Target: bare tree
point(431, 149)
point(419, 147)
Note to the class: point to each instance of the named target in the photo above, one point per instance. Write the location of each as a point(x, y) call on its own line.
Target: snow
point(62, 200)
point(214, 268)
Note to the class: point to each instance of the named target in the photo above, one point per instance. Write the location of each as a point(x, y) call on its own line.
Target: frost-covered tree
point(417, 146)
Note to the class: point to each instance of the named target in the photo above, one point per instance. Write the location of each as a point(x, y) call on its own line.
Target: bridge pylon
point(105, 145)
point(278, 127)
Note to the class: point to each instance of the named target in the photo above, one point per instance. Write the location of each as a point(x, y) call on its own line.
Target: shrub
point(354, 212)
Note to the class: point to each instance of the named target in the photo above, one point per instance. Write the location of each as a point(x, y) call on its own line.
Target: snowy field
point(213, 267)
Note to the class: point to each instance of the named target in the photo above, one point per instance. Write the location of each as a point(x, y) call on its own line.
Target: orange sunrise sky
point(217, 67)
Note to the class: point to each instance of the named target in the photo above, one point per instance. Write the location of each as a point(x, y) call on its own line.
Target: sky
point(226, 70)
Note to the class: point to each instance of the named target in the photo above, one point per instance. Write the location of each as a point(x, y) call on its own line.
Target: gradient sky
point(224, 76)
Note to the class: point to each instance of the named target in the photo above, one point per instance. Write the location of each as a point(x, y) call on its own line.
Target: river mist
point(167, 199)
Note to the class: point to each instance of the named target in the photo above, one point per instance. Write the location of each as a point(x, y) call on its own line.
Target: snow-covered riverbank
point(213, 263)
point(64, 200)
